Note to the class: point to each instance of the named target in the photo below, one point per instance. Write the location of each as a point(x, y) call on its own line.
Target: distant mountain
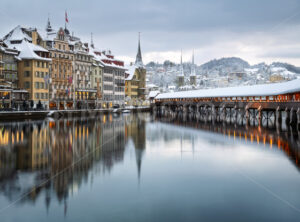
point(231, 64)
point(289, 67)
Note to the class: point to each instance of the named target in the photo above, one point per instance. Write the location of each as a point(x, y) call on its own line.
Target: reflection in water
point(56, 156)
point(50, 164)
point(283, 138)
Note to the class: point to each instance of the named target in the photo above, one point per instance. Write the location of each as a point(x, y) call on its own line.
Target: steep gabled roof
point(17, 34)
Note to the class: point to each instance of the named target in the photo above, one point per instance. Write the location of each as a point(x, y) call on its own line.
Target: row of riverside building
point(53, 69)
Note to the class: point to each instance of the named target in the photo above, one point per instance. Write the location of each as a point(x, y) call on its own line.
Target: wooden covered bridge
point(260, 102)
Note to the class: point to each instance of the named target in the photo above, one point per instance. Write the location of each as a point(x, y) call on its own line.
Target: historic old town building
point(33, 65)
point(135, 82)
point(113, 79)
point(85, 94)
point(55, 69)
point(62, 89)
point(8, 65)
point(97, 76)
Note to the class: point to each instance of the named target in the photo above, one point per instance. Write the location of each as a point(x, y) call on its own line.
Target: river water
point(141, 168)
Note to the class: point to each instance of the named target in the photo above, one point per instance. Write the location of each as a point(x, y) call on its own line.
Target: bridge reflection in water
point(268, 134)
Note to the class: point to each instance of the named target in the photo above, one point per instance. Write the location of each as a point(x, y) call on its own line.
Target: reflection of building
point(33, 154)
point(136, 131)
point(57, 157)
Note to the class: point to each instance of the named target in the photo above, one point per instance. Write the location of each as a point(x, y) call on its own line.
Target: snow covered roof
point(17, 34)
point(28, 51)
point(151, 85)
point(255, 90)
point(105, 59)
point(47, 36)
point(130, 71)
point(153, 94)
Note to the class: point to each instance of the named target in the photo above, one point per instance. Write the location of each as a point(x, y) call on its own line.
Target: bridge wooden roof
point(254, 90)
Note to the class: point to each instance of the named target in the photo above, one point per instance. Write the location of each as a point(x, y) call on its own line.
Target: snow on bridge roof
point(254, 90)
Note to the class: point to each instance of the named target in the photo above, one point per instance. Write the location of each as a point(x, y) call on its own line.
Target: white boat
point(126, 111)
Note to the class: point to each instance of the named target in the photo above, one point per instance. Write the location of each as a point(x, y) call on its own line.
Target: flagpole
point(65, 19)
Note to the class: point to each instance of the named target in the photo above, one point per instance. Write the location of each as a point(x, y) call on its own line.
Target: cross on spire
point(139, 60)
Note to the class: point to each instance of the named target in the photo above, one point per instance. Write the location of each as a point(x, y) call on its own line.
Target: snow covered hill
point(222, 72)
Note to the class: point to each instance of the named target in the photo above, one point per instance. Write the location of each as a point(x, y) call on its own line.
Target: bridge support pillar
point(223, 114)
point(213, 114)
point(293, 121)
point(247, 114)
point(278, 116)
point(259, 117)
point(287, 119)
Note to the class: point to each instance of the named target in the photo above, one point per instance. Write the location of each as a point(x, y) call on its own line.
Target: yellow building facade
point(32, 74)
point(33, 64)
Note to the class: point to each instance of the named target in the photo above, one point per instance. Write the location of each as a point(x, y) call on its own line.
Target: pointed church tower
point(193, 68)
point(180, 76)
point(48, 27)
point(193, 79)
point(139, 60)
point(92, 42)
point(181, 65)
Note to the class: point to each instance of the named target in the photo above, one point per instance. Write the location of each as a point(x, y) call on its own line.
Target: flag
point(66, 15)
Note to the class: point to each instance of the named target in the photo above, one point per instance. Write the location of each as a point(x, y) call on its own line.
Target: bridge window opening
point(257, 98)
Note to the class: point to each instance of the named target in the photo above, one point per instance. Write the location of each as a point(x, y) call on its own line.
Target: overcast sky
point(255, 30)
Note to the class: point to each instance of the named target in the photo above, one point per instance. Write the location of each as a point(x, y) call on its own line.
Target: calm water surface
point(138, 168)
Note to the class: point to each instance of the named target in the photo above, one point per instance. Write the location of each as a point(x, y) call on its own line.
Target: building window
point(27, 85)
point(26, 63)
point(27, 74)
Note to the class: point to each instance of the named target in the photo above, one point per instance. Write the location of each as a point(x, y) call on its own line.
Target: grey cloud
point(166, 25)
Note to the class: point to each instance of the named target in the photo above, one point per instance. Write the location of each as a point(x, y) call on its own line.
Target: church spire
point(181, 65)
point(139, 60)
point(193, 70)
point(92, 42)
point(48, 27)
